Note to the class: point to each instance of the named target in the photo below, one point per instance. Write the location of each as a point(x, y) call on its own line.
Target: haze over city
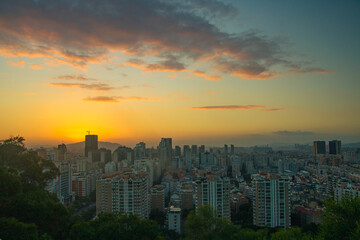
point(202, 72)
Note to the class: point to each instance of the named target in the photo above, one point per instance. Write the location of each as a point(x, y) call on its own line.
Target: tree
point(293, 233)
point(116, 226)
point(23, 176)
point(12, 229)
point(341, 220)
point(205, 224)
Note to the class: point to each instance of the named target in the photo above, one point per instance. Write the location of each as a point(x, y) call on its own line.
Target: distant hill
point(79, 147)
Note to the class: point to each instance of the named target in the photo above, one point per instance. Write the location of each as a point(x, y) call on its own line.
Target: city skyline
point(209, 72)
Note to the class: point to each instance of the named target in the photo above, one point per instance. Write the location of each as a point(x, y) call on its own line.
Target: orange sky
point(140, 79)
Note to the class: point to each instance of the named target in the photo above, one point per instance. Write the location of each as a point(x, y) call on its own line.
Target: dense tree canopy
point(342, 219)
point(24, 203)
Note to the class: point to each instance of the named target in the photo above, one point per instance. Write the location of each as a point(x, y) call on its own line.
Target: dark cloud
point(116, 99)
point(97, 86)
point(238, 107)
point(173, 32)
point(293, 133)
point(101, 99)
point(80, 77)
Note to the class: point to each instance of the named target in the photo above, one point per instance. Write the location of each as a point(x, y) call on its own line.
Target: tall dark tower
point(319, 147)
point(91, 143)
point(335, 147)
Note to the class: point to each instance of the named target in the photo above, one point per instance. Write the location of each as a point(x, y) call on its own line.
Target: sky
point(198, 71)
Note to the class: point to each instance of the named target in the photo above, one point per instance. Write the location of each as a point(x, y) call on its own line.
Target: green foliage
point(341, 220)
point(205, 224)
point(23, 176)
point(158, 216)
point(293, 233)
point(12, 229)
point(116, 226)
point(245, 215)
point(33, 170)
point(89, 214)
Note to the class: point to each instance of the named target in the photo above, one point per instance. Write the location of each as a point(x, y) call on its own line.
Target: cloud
point(310, 70)
point(209, 92)
point(170, 65)
point(207, 77)
point(238, 107)
point(20, 64)
point(173, 34)
point(116, 99)
point(97, 87)
point(101, 99)
point(80, 77)
point(293, 133)
point(35, 66)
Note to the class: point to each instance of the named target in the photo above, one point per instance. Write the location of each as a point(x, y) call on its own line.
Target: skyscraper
point(232, 149)
point(319, 147)
point(165, 152)
point(202, 149)
point(177, 151)
point(271, 205)
point(60, 153)
point(226, 149)
point(139, 150)
point(91, 143)
point(214, 191)
point(335, 147)
point(194, 150)
point(186, 148)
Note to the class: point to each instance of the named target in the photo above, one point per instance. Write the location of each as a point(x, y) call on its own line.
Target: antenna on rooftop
point(88, 132)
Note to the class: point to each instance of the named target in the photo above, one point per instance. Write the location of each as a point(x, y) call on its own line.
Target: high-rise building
point(319, 147)
point(194, 150)
point(226, 149)
point(186, 197)
point(202, 149)
point(121, 154)
point(187, 158)
point(207, 159)
point(186, 148)
point(81, 184)
point(232, 149)
point(165, 152)
point(105, 155)
point(174, 219)
point(177, 151)
point(271, 204)
point(60, 153)
point(157, 198)
point(139, 150)
point(214, 191)
point(335, 147)
point(125, 191)
point(91, 143)
point(62, 185)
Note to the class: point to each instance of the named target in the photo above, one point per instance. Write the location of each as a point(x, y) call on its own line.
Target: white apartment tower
point(174, 219)
point(271, 205)
point(125, 191)
point(214, 191)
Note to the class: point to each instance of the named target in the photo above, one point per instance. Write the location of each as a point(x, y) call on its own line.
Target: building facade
point(214, 191)
point(271, 205)
point(125, 191)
